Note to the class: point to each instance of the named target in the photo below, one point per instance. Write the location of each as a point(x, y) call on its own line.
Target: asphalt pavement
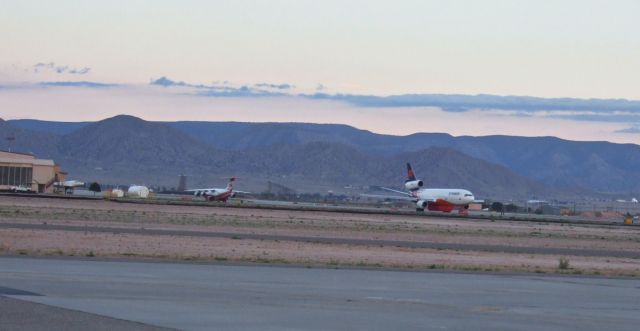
point(206, 296)
point(24, 315)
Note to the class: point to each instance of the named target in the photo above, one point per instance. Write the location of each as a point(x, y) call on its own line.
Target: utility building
point(18, 169)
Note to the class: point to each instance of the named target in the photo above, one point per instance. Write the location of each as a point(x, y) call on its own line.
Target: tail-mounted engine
point(413, 185)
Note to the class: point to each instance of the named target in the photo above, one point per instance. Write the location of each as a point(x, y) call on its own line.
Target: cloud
point(242, 91)
point(459, 102)
point(82, 71)
point(52, 67)
point(166, 82)
point(215, 90)
point(609, 110)
point(585, 110)
point(275, 86)
point(158, 103)
point(78, 84)
point(633, 129)
point(595, 110)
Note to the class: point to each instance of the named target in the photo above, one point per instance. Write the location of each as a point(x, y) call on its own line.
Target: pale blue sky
point(581, 49)
point(541, 48)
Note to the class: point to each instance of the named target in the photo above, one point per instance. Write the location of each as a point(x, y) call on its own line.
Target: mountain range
point(321, 157)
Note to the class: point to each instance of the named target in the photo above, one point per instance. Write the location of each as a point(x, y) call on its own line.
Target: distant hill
point(559, 165)
point(57, 128)
point(596, 166)
point(126, 139)
point(42, 144)
point(126, 149)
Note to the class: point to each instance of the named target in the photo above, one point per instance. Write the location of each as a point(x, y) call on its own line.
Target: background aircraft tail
point(230, 185)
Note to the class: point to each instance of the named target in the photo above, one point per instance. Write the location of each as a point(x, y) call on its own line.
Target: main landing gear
point(464, 211)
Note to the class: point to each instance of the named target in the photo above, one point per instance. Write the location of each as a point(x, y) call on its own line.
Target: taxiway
point(205, 296)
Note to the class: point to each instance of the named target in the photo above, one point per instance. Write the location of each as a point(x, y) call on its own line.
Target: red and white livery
point(434, 199)
point(217, 194)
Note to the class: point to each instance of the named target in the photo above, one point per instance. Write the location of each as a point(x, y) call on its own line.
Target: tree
point(95, 187)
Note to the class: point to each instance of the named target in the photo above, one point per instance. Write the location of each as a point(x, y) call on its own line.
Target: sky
point(376, 65)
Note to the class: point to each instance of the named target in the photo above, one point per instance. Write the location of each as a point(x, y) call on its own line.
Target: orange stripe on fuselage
point(441, 205)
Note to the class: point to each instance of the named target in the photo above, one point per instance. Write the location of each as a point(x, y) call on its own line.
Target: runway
point(245, 297)
point(259, 204)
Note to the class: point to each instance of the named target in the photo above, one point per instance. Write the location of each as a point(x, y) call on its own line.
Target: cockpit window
point(468, 195)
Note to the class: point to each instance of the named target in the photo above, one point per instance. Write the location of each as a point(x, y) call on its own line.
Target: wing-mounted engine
point(421, 205)
point(413, 185)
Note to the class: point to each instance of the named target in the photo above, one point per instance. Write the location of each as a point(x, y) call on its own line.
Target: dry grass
point(338, 225)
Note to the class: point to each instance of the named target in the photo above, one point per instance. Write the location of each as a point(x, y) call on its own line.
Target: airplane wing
point(200, 189)
point(241, 192)
point(396, 191)
point(394, 197)
point(405, 196)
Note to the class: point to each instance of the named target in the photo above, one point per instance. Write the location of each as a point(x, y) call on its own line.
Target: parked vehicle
point(21, 189)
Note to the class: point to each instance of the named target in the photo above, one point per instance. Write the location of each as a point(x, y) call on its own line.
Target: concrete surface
point(204, 297)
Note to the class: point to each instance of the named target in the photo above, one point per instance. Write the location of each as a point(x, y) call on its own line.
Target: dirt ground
point(14, 241)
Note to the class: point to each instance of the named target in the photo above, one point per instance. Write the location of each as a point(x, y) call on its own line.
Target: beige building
point(17, 169)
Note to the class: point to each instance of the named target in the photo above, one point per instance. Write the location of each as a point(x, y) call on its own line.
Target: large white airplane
point(217, 194)
point(434, 199)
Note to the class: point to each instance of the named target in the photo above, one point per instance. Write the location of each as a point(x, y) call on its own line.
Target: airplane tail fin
point(410, 175)
point(230, 185)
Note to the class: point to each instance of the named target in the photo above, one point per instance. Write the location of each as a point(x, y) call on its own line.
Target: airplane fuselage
point(215, 194)
point(446, 200)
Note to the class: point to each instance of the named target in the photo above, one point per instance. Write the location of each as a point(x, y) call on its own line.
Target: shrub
point(563, 263)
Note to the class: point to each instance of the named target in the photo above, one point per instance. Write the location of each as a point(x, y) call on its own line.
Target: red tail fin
point(410, 175)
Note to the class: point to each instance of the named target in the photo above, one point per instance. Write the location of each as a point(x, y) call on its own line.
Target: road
point(237, 297)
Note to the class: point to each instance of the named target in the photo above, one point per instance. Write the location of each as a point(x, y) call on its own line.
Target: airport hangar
point(20, 169)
